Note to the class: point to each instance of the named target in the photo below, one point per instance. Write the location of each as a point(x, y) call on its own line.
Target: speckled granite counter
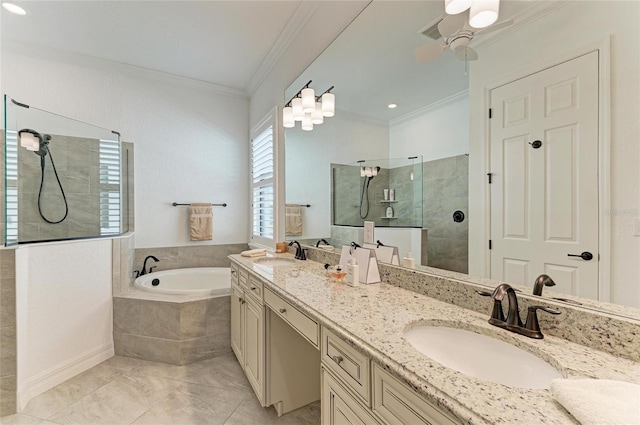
point(373, 319)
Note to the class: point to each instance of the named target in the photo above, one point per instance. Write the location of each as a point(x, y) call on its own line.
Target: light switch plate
point(369, 227)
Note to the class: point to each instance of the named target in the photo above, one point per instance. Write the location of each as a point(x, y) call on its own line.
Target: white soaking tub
point(205, 281)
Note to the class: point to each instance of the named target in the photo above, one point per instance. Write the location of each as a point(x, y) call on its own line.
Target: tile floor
point(126, 391)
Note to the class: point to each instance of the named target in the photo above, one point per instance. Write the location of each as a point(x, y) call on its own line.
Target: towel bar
point(175, 204)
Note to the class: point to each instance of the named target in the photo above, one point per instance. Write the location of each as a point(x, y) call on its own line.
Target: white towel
point(293, 220)
point(254, 253)
point(201, 222)
point(599, 401)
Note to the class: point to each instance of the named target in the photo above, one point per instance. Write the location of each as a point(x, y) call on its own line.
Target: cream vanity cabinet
point(247, 327)
point(356, 390)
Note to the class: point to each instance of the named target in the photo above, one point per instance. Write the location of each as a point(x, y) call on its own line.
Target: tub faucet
point(542, 281)
point(324, 242)
point(144, 265)
point(300, 253)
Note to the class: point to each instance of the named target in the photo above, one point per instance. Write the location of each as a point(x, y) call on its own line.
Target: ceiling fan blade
point(451, 24)
point(466, 54)
point(495, 27)
point(428, 52)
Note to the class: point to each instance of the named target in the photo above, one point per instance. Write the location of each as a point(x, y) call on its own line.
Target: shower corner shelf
point(389, 218)
point(387, 202)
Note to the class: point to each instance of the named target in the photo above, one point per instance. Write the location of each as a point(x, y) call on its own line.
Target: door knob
point(586, 256)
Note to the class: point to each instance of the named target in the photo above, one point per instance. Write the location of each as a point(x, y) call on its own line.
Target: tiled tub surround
point(171, 329)
point(7, 332)
point(373, 319)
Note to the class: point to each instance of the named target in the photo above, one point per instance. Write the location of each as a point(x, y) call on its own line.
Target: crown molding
point(296, 23)
point(71, 58)
point(431, 107)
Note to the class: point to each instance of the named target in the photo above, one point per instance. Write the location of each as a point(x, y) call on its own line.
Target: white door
point(544, 200)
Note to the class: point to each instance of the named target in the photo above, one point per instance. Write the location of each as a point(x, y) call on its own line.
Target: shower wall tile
point(8, 395)
point(7, 351)
point(168, 258)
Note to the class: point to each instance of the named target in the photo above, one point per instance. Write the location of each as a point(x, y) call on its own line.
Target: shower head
point(369, 172)
point(34, 141)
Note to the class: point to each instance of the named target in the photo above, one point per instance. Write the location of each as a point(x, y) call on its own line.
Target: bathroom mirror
point(371, 65)
point(64, 179)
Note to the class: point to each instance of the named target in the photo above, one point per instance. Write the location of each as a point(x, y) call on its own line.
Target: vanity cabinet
point(357, 391)
point(247, 328)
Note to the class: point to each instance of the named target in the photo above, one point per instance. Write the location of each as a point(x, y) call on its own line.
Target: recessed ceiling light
point(392, 106)
point(15, 9)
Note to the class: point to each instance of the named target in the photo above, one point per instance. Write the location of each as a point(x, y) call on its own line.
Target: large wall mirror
point(372, 66)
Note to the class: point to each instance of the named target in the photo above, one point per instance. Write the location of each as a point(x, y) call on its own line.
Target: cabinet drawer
point(350, 365)
point(298, 320)
point(254, 289)
point(234, 274)
point(396, 403)
point(243, 277)
point(338, 407)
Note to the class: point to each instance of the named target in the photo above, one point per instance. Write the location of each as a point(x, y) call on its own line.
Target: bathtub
point(199, 281)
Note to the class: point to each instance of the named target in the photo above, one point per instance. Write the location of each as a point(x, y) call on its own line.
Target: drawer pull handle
point(253, 288)
point(233, 272)
point(337, 359)
point(283, 310)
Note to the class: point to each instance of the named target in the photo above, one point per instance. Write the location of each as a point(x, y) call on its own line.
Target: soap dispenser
point(389, 212)
point(408, 261)
point(353, 273)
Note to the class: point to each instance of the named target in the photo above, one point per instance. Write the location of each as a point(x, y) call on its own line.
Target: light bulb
point(316, 115)
point(484, 13)
point(308, 100)
point(307, 125)
point(287, 117)
point(328, 104)
point(453, 7)
point(296, 106)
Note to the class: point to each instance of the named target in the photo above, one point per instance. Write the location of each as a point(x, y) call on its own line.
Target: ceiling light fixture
point(482, 14)
point(308, 108)
point(392, 105)
point(15, 9)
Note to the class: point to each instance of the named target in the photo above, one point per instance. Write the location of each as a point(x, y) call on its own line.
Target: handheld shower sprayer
point(41, 147)
point(368, 173)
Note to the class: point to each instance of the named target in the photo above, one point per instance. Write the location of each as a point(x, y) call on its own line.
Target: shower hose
point(64, 197)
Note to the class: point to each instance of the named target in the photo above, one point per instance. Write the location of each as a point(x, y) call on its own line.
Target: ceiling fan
point(456, 34)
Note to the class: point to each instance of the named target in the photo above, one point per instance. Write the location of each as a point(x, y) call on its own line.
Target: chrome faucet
point(542, 281)
point(300, 253)
point(513, 323)
point(144, 265)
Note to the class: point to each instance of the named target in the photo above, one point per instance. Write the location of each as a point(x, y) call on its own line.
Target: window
point(109, 187)
point(262, 187)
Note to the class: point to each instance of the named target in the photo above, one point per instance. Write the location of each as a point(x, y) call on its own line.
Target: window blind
point(11, 175)
point(262, 178)
point(109, 187)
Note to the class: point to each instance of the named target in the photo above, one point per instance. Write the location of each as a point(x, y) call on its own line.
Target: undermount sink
point(482, 357)
point(274, 261)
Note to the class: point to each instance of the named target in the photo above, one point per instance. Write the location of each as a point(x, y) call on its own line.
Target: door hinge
point(490, 113)
point(490, 179)
point(490, 244)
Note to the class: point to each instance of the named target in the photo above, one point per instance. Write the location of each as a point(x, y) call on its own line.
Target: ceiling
point(371, 63)
point(220, 42)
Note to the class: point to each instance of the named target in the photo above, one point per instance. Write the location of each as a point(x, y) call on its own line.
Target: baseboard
point(56, 375)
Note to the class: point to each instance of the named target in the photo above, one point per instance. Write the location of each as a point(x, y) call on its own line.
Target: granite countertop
point(373, 319)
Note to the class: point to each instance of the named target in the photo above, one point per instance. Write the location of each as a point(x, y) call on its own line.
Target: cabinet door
point(254, 346)
point(237, 322)
point(339, 407)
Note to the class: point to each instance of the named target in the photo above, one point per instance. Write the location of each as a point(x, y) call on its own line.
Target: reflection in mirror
point(372, 65)
point(64, 178)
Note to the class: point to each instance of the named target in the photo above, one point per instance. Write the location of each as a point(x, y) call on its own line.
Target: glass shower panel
point(385, 191)
point(64, 178)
